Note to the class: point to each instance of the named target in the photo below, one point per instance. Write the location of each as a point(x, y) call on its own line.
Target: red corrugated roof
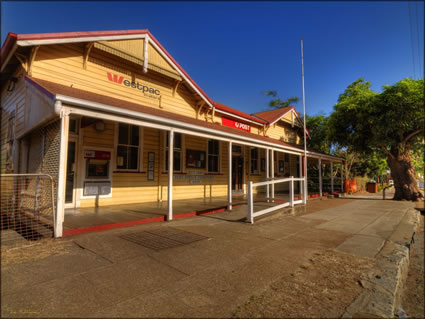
point(51, 89)
point(273, 115)
point(229, 109)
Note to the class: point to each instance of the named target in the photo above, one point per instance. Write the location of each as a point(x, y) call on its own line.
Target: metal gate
point(27, 207)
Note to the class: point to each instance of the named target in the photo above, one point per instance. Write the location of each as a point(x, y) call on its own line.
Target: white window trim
point(218, 157)
point(140, 150)
point(182, 153)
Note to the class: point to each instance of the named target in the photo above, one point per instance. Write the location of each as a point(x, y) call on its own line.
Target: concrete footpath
point(207, 266)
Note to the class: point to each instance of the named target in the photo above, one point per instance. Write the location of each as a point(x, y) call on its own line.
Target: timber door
point(70, 174)
point(237, 173)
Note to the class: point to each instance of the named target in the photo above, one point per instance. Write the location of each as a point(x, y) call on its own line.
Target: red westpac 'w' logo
point(115, 78)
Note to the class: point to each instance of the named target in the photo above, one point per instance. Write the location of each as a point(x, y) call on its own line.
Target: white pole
point(170, 173)
point(272, 173)
point(63, 153)
point(332, 177)
point(229, 185)
point(291, 192)
point(267, 173)
point(320, 178)
point(250, 203)
point(304, 115)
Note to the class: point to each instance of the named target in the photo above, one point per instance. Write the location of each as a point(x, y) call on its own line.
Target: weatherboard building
point(99, 112)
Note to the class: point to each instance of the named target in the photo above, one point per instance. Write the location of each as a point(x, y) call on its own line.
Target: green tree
point(318, 127)
point(389, 123)
point(277, 103)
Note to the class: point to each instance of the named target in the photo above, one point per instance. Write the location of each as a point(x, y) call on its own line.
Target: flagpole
point(305, 137)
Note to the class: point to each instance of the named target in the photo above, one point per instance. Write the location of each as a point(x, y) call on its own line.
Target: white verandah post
point(250, 203)
point(332, 177)
point(305, 193)
point(63, 153)
point(300, 174)
point(272, 173)
point(267, 174)
point(170, 174)
point(229, 185)
point(320, 178)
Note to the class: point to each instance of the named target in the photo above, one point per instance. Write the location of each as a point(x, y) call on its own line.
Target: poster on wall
point(151, 166)
point(195, 159)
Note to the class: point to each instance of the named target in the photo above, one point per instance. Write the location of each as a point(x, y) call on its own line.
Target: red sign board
point(97, 154)
point(234, 124)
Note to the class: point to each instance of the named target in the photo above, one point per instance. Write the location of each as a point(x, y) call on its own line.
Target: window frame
point(139, 149)
point(251, 159)
point(216, 155)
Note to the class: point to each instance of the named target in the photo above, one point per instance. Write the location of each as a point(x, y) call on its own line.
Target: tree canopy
point(277, 103)
point(390, 123)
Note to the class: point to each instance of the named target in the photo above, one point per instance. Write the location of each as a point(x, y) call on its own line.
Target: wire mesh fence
point(27, 207)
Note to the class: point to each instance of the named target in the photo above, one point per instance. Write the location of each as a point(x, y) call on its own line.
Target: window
point(73, 126)
point(254, 160)
point(213, 156)
point(128, 147)
point(177, 156)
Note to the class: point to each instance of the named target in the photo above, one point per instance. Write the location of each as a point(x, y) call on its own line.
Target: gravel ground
point(321, 288)
point(413, 297)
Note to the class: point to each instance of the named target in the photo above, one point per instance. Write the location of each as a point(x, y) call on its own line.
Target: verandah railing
point(290, 203)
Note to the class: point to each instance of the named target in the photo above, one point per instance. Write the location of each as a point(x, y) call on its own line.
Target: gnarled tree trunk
point(404, 176)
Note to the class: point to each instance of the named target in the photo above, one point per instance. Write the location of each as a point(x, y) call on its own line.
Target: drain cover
point(163, 237)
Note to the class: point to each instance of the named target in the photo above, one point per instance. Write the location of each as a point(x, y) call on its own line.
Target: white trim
point(25, 43)
point(170, 175)
point(181, 150)
point(229, 177)
point(139, 149)
point(238, 117)
point(170, 123)
point(145, 54)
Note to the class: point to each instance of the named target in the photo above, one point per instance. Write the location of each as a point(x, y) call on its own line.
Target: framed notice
point(195, 159)
point(151, 166)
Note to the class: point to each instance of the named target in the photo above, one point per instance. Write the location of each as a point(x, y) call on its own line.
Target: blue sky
point(236, 50)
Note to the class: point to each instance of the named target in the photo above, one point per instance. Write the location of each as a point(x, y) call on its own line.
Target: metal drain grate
point(163, 237)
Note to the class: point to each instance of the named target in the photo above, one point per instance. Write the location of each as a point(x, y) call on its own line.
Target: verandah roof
point(53, 89)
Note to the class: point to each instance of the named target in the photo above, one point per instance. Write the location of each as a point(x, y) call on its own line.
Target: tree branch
point(387, 151)
point(411, 135)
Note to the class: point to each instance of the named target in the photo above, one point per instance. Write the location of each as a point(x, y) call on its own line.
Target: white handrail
point(291, 203)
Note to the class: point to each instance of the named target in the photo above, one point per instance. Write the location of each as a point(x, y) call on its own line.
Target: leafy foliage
point(277, 103)
point(318, 128)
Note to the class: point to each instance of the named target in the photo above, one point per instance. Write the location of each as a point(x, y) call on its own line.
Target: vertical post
point(300, 174)
point(320, 178)
point(250, 204)
point(291, 192)
point(272, 173)
point(170, 173)
point(305, 127)
point(63, 152)
point(267, 173)
point(332, 177)
point(229, 185)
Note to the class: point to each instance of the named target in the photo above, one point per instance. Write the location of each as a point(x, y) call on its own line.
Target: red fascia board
point(66, 35)
point(8, 45)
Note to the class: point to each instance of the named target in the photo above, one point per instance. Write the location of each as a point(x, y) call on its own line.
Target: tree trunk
point(404, 175)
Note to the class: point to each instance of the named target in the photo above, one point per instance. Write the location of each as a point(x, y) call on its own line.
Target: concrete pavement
point(105, 275)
